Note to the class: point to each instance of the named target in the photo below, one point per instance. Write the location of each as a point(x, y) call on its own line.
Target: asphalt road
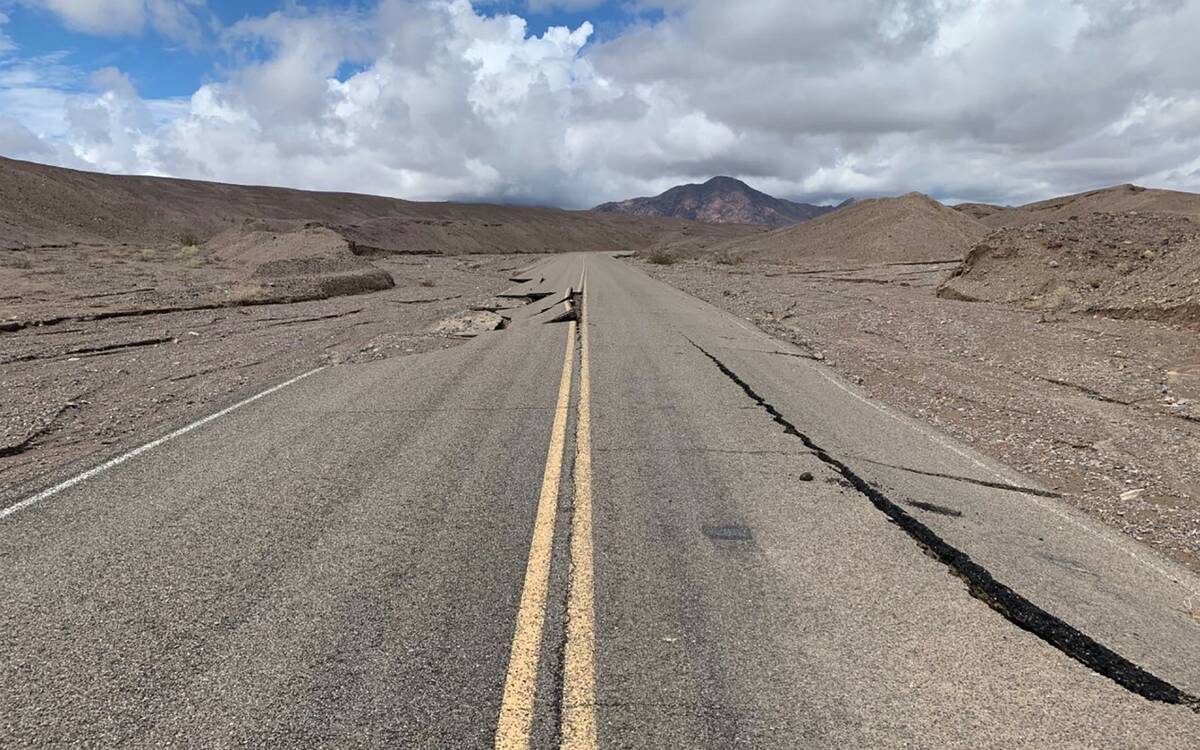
point(654, 528)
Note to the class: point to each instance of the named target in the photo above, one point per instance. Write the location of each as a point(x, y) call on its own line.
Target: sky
point(575, 102)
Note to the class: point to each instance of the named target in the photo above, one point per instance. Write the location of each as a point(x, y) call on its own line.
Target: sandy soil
point(1118, 199)
point(907, 228)
point(1104, 411)
point(1129, 265)
point(85, 387)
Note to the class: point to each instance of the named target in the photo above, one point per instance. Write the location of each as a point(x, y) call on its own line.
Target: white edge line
point(33, 499)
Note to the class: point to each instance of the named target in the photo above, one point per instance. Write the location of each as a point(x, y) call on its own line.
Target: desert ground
point(120, 362)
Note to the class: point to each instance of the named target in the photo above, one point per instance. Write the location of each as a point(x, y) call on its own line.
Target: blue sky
point(163, 67)
point(576, 102)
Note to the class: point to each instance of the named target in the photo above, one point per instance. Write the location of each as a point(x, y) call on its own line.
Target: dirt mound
point(1120, 199)
point(979, 211)
point(909, 228)
point(1129, 265)
point(283, 262)
point(42, 206)
point(255, 242)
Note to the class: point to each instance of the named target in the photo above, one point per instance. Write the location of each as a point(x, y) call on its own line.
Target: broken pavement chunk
point(470, 323)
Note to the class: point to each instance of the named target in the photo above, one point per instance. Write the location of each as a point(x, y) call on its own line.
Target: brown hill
point(1113, 200)
point(1128, 265)
point(980, 211)
point(909, 228)
point(721, 200)
point(42, 205)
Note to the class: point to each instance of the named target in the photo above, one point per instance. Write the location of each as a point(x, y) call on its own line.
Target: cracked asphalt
point(346, 561)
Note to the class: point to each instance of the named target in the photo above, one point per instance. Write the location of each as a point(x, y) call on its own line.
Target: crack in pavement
point(969, 480)
point(980, 582)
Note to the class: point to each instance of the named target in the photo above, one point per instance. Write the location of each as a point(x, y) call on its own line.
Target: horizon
point(574, 103)
point(483, 202)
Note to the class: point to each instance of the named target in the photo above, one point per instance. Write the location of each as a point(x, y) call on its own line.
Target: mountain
point(721, 200)
point(908, 228)
point(44, 206)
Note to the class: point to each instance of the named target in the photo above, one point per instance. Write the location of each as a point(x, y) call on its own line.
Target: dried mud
point(124, 355)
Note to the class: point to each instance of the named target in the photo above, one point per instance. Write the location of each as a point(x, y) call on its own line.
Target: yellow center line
point(516, 707)
point(579, 666)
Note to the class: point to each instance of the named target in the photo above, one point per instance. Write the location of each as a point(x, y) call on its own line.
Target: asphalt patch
point(941, 510)
point(727, 533)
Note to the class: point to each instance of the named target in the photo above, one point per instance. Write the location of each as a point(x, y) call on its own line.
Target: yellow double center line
point(578, 730)
point(579, 667)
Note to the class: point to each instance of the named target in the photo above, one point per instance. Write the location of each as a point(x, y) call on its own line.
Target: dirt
point(912, 227)
point(979, 211)
point(1119, 199)
point(1104, 411)
point(1130, 265)
point(241, 267)
point(86, 386)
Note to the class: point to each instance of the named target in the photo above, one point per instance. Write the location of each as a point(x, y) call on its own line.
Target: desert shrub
point(246, 292)
point(662, 259)
point(426, 283)
point(187, 239)
point(193, 256)
point(149, 254)
point(728, 258)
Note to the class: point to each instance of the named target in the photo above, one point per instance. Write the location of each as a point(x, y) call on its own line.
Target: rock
point(469, 323)
point(806, 476)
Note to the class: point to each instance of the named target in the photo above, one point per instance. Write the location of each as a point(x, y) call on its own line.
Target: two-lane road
point(653, 528)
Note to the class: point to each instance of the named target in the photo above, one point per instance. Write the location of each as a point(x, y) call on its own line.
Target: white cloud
point(19, 141)
point(1006, 100)
point(174, 19)
point(6, 43)
point(100, 16)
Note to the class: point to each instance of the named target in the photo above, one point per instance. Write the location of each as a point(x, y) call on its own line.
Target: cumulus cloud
point(172, 18)
point(1006, 100)
point(19, 141)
